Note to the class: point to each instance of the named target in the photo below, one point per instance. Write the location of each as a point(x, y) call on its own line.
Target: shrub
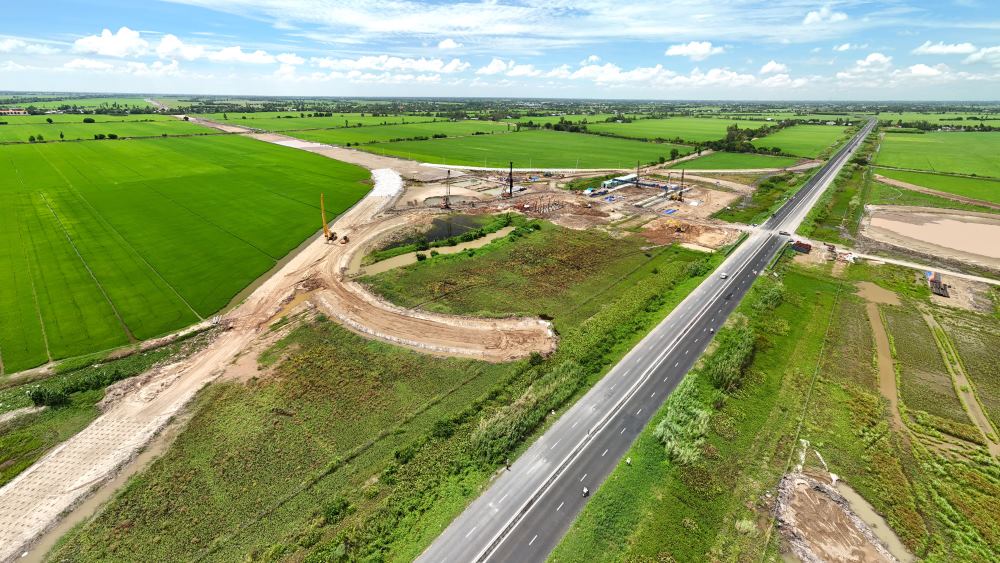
point(682, 430)
point(46, 397)
point(88, 119)
point(421, 257)
point(727, 366)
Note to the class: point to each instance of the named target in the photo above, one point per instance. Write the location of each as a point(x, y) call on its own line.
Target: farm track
point(34, 501)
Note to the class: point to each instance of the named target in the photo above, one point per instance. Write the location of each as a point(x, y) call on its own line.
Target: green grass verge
point(884, 194)
point(688, 129)
point(766, 199)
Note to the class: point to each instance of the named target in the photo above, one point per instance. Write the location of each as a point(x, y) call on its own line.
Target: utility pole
point(637, 173)
point(446, 204)
point(510, 179)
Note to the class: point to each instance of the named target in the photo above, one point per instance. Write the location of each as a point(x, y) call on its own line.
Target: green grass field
point(944, 118)
point(735, 161)
point(803, 140)
point(384, 133)
point(984, 189)
point(383, 433)
point(532, 149)
point(690, 129)
point(293, 120)
point(575, 118)
point(884, 194)
point(960, 153)
point(77, 130)
point(56, 103)
point(102, 242)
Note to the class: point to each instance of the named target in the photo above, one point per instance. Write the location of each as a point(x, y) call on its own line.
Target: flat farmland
point(540, 149)
point(574, 117)
point(56, 103)
point(77, 130)
point(103, 243)
point(735, 161)
point(384, 133)
point(691, 129)
point(985, 189)
point(959, 118)
point(803, 140)
point(293, 120)
point(940, 151)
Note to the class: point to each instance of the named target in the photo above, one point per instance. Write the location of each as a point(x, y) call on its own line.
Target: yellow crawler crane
point(327, 233)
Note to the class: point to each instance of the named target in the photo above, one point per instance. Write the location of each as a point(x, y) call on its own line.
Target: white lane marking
point(574, 424)
point(470, 531)
point(556, 444)
point(622, 432)
point(605, 452)
point(533, 540)
point(613, 387)
point(677, 364)
point(685, 351)
point(501, 500)
point(664, 379)
point(560, 506)
point(637, 412)
point(584, 477)
point(696, 340)
point(653, 394)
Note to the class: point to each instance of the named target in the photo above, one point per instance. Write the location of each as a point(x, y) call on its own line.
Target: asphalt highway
point(524, 514)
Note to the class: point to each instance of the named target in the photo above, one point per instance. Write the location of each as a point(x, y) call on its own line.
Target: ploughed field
point(538, 149)
point(943, 151)
point(103, 243)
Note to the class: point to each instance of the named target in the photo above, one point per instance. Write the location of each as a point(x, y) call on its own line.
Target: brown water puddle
point(877, 524)
point(874, 295)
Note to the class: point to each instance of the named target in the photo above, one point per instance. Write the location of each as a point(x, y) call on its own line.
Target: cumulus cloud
point(773, 67)
point(989, 55)
point(496, 66)
point(695, 50)
point(387, 63)
point(849, 46)
point(941, 48)
point(236, 54)
point(783, 81)
point(171, 47)
point(87, 64)
point(592, 59)
point(921, 69)
point(289, 59)
point(449, 43)
point(824, 15)
point(11, 45)
point(123, 43)
point(514, 70)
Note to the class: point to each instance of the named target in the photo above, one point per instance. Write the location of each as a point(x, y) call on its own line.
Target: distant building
point(13, 111)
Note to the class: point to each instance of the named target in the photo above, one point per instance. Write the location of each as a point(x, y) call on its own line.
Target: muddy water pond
point(878, 525)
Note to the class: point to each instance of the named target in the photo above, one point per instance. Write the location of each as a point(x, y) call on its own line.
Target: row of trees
point(97, 136)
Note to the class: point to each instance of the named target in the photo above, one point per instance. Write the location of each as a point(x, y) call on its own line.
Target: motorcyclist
point(586, 492)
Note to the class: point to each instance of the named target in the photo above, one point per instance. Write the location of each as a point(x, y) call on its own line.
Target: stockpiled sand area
point(967, 236)
point(106, 243)
point(943, 151)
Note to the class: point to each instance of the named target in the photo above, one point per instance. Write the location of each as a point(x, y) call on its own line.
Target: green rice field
point(803, 140)
point(691, 129)
point(85, 102)
point(527, 149)
point(984, 189)
point(104, 243)
point(384, 133)
point(575, 118)
point(942, 151)
point(293, 120)
point(76, 129)
point(735, 161)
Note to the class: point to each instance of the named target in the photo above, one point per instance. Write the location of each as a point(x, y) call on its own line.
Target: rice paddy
point(803, 140)
point(689, 129)
point(943, 151)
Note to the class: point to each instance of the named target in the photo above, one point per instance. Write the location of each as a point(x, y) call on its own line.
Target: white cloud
point(921, 69)
point(773, 67)
point(387, 63)
point(496, 66)
point(989, 55)
point(941, 48)
point(87, 64)
point(123, 43)
point(449, 43)
point(695, 50)
point(783, 81)
point(824, 15)
point(592, 59)
point(874, 61)
point(10, 45)
point(155, 69)
point(515, 70)
point(561, 71)
point(289, 59)
point(238, 55)
point(171, 47)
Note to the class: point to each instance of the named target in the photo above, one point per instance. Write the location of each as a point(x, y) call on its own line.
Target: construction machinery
point(446, 202)
point(328, 235)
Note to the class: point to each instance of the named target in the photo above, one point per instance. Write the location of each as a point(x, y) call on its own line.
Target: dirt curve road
point(35, 500)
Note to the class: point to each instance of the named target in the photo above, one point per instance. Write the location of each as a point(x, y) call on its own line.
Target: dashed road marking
point(584, 477)
point(637, 412)
point(605, 452)
point(622, 432)
point(501, 500)
point(560, 506)
point(556, 444)
point(533, 540)
point(470, 531)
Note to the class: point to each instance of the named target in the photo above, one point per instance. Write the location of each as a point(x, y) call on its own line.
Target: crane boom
point(322, 213)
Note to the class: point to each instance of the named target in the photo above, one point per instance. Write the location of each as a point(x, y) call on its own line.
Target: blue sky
point(660, 49)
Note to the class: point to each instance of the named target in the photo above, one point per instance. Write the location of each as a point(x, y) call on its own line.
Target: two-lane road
point(525, 512)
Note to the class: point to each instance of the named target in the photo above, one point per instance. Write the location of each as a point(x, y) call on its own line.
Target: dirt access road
point(35, 500)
